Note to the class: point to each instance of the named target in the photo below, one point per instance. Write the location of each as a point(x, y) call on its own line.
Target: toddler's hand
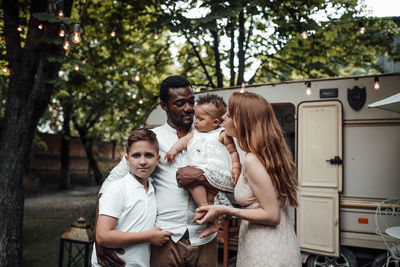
point(235, 174)
point(158, 236)
point(170, 156)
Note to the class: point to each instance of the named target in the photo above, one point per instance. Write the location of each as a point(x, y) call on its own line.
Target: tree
point(265, 38)
point(32, 71)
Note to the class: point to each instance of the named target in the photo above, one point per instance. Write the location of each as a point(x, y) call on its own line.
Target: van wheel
point(346, 259)
point(380, 260)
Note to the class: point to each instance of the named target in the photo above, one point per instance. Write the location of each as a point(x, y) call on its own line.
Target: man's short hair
point(142, 135)
point(174, 81)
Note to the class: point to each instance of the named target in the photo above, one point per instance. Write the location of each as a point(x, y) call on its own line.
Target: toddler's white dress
point(207, 153)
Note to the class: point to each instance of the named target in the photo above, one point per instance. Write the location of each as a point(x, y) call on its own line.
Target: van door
point(319, 167)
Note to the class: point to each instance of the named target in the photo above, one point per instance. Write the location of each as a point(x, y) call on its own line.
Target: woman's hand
point(212, 213)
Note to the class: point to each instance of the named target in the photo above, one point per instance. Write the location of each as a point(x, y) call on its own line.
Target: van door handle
point(336, 160)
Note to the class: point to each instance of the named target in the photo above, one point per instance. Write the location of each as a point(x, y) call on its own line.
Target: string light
point(84, 60)
point(20, 28)
point(308, 90)
point(362, 27)
point(60, 14)
point(251, 34)
point(200, 34)
point(137, 77)
point(61, 32)
point(66, 44)
point(155, 34)
point(242, 90)
point(376, 84)
point(4, 69)
point(40, 26)
point(140, 100)
point(77, 34)
point(76, 67)
point(113, 32)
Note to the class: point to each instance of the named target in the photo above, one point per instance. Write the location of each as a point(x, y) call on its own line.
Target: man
point(175, 206)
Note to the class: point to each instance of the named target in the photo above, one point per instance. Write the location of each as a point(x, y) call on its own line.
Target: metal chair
point(387, 221)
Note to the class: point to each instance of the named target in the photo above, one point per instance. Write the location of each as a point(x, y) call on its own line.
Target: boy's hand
point(235, 174)
point(158, 236)
point(170, 156)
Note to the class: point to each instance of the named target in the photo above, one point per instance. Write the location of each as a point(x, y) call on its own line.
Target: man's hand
point(158, 236)
point(107, 257)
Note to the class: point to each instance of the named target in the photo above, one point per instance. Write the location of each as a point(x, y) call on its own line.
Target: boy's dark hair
point(142, 135)
point(215, 100)
point(174, 81)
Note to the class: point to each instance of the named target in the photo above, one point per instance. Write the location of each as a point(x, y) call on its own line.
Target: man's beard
point(178, 122)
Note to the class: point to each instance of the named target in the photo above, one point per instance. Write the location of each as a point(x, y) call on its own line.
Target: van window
point(285, 113)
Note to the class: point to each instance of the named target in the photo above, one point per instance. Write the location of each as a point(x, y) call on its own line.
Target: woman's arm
point(107, 236)
point(261, 184)
point(180, 145)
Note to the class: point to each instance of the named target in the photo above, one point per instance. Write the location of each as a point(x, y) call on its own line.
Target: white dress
point(207, 153)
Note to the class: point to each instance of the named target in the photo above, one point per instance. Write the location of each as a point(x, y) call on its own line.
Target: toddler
point(210, 150)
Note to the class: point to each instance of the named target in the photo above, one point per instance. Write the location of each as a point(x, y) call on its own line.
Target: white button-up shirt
point(175, 206)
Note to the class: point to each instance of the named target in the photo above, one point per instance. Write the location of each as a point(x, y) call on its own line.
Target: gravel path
point(62, 204)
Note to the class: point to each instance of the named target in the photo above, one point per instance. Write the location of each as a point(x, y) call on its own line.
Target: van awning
point(392, 103)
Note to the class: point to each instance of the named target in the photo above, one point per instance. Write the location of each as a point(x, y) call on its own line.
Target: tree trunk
point(28, 96)
point(232, 55)
point(65, 179)
point(87, 143)
point(241, 54)
point(218, 71)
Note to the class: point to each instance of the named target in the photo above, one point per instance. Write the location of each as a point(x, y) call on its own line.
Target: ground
point(48, 213)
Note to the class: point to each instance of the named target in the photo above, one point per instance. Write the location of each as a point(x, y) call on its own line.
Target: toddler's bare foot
point(211, 228)
point(198, 215)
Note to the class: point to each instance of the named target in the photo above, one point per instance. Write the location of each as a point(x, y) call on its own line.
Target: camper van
point(347, 156)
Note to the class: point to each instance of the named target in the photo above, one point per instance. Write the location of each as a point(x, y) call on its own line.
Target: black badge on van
point(356, 97)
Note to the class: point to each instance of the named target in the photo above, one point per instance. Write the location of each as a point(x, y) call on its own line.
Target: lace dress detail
point(263, 245)
point(206, 152)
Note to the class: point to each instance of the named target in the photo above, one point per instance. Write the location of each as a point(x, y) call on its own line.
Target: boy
point(127, 209)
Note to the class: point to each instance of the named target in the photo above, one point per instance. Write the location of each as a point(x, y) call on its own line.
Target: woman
point(265, 188)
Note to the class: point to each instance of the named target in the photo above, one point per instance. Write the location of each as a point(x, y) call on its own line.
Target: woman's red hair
point(258, 132)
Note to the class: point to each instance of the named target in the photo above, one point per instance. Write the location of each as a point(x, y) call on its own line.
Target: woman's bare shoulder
point(251, 160)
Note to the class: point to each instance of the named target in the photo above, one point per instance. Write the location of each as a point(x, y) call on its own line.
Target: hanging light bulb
point(19, 28)
point(362, 28)
point(113, 32)
point(140, 100)
point(137, 77)
point(200, 34)
point(66, 44)
point(61, 32)
point(84, 60)
point(4, 69)
point(76, 67)
point(77, 34)
point(242, 90)
point(251, 34)
point(60, 14)
point(304, 34)
point(155, 34)
point(376, 84)
point(40, 26)
point(308, 90)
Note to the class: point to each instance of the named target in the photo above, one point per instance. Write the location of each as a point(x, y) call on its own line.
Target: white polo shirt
point(175, 206)
point(136, 210)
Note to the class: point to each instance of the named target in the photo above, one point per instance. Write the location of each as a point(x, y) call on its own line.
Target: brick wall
point(48, 160)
